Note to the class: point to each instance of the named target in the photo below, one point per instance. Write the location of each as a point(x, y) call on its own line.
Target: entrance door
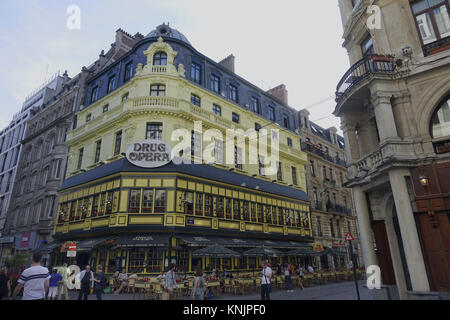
point(434, 236)
point(82, 259)
point(383, 252)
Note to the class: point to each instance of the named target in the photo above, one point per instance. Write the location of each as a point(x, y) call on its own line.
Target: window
point(233, 92)
point(279, 171)
point(332, 229)
point(125, 97)
point(199, 204)
point(441, 120)
point(208, 206)
point(331, 174)
point(118, 143)
point(80, 158)
point(246, 210)
point(111, 83)
point(58, 168)
point(147, 201)
point(45, 175)
point(367, 46)
point(324, 171)
point(88, 117)
point(294, 176)
point(188, 202)
point(319, 228)
point(196, 144)
point(160, 59)
point(215, 83)
point(257, 127)
point(128, 71)
point(286, 122)
point(235, 117)
point(271, 113)
point(94, 94)
point(220, 207)
point(158, 90)
point(137, 260)
point(154, 259)
point(195, 100)
point(106, 108)
point(98, 148)
point(236, 209)
point(154, 131)
point(196, 72)
point(432, 19)
point(160, 201)
point(312, 167)
point(218, 151)
point(238, 158)
point(289, 142)
point(217, 110)
point(135, 201)
point(261, 165)
point(254, 104)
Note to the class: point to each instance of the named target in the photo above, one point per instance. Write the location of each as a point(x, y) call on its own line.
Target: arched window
point(160, 59)
point(441, 120)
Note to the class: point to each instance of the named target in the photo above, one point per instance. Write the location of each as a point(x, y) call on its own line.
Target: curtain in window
point(442, 21)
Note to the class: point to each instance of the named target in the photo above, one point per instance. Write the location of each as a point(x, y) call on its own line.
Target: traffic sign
point(349, 237)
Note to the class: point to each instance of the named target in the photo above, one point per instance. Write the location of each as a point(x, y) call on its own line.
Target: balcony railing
point(370, 64)
point(155, 101)
point(313, 149)
point(338, 209)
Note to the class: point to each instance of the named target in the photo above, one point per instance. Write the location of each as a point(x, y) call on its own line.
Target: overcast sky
point(298, 43)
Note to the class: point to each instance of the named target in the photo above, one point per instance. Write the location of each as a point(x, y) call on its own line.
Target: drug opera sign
point(149, 153)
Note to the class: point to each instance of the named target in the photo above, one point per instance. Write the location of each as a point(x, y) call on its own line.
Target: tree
point(18, 261)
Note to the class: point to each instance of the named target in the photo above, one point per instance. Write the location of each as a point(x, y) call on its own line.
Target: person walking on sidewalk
point(287, 278)
point(34, 280)
point(266, 286)
point(87, 281)
point(5, 284)
point(65, 274)
point(99, 283)
point(53, 289)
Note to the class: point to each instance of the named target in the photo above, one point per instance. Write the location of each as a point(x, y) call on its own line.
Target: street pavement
point(334, 291)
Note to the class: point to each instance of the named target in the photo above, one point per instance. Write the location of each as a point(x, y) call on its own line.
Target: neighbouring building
point(10, 152)
point(138, 219)
point(42, 164)
point(394, 104)
point(333, 215)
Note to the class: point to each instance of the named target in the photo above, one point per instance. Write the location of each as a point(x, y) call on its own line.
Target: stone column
point(396, 259)
point(411, 244)
point(351, 142)
point(384, 115)
point(365, 230)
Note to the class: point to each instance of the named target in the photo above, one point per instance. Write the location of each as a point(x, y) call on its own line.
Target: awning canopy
point(235, 242)
point(88, 244)
point(142, 240)
point(301, 252)
point(216, 251)
point(47, 248)
point(263, 252)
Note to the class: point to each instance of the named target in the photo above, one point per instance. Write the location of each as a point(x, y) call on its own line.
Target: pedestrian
point(99, 282)
point(55, 278)
point(287, 278)
point(123, 280)
point(310, 269)
point(5, 284)
point(170, 282)
point(266, 286)
point(279, 269)
point(86, 282)
point(34, 280)
point(198, 290)
point(300, 274)
point(65, 274)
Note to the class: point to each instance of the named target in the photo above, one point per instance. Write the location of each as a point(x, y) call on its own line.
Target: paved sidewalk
point(334, 291)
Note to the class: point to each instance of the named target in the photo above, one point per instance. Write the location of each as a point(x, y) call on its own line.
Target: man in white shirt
point(34, 280)
point(310, 269)
point(266, 274)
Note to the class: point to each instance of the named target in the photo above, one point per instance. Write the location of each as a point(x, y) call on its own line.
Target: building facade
point(11, 150)
point(138, 219)
point(393, 103)
point(333, 214)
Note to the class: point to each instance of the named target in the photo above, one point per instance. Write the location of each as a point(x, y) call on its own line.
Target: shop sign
point(149, 153)
point(66, 245)
point(25, 240)
point(318, 247)
point(190, 221)
point(5, 240)
point(71, 254)
point(141, 238)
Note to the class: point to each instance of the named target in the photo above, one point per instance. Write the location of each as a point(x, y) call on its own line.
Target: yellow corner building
point(139, 219)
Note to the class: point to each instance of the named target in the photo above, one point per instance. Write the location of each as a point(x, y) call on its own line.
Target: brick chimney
point(280, 93)
point(228, 62)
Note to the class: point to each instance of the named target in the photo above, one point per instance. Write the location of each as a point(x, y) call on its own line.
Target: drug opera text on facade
point(149, 153)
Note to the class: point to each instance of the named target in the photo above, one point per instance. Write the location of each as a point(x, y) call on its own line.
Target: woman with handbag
point(198, 292)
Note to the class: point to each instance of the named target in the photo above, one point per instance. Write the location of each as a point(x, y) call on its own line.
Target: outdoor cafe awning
point(216, 251)
point(88, 244)
point(142, 240)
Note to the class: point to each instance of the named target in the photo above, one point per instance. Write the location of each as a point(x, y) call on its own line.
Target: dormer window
point(94, 94)
point(160, 59)
point(128, 71)
point(111, 83)
point(88, 117)
point(233, 91)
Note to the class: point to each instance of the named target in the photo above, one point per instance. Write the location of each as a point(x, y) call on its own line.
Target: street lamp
point(424, 181)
